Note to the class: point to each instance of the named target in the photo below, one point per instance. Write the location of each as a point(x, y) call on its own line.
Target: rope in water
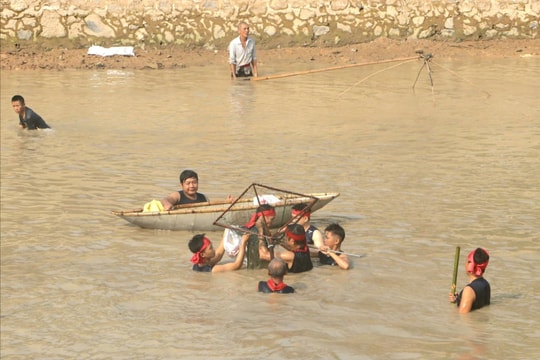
point(278, 76)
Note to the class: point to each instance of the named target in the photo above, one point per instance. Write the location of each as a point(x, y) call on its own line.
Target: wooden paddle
point(456, 265)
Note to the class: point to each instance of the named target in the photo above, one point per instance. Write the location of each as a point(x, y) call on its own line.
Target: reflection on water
point(419, 173)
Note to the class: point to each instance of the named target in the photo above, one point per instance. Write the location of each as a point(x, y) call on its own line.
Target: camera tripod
point(427, 58)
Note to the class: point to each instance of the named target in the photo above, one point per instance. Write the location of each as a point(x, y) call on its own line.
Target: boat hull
point(201, 217)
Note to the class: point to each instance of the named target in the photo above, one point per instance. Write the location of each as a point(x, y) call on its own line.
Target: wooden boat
point(201, 216)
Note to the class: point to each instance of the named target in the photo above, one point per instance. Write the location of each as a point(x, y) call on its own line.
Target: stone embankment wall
point(212, 23)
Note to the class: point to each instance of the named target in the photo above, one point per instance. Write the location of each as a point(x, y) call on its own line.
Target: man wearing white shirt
point(242, 56)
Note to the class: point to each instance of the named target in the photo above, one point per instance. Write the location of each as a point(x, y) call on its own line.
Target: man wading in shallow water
point(242, 56)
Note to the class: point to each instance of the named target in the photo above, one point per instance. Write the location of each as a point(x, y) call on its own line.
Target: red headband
point(476, 269)
point(257, 215)
point(196, 258)
point(295, 212)
point(295, 237)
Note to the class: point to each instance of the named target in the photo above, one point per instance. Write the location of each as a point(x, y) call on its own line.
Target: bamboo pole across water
point(277, 76)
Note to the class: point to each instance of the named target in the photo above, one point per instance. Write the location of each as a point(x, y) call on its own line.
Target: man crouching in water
point(478, 292)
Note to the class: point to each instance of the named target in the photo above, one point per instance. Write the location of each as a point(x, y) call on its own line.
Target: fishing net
point(239, 213)
point(262, 203)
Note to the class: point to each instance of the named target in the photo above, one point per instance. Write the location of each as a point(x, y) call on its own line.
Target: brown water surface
point(419, 173)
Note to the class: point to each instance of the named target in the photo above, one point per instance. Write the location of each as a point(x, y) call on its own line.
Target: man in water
point(259, 226)
point(302, 216)
point(330, 253)
point(277, 268)
point(297, 255)
point(205, 258)
point(242, 56)
point(478, 292)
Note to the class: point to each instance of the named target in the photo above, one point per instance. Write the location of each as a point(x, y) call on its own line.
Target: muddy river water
point(419, 172)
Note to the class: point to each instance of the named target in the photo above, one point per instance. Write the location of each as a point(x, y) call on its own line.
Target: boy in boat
point(296, 254)
point(205, 258)
point(28, 119)
point(477, 293)
point(330, 253)
point(302, 216)
point(277, 268)
point(189, 181)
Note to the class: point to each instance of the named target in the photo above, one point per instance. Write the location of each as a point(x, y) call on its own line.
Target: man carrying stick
point(478, 292)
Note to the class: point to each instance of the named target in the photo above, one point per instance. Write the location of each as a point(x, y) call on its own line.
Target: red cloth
point(476, 269)
point(301, 213)
point(275, 287)
point(295, 237)
point(257, 215)
point(197, 258)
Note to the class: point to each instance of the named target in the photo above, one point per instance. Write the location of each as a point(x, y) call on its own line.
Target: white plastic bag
point(265, 199)
point(231, 242)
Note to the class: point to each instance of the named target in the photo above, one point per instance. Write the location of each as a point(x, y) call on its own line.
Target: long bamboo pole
point(304, 72)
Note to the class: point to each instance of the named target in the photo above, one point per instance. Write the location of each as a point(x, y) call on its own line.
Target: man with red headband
point(302, 216)
point(298, 258)
point(259, 226)
point(478, 292)
point(205, 257)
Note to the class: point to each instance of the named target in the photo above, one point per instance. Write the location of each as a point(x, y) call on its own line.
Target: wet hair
point(299, 207)
point(277, 267)
point(480, 256)
point(336, 229)
point(297, 229)
point(18, 98)
point(187, 174)
point(196, 243)
point(303, 209)
point(264, 207)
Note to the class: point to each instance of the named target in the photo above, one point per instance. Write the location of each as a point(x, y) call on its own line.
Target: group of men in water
point(299, 235)
point(300, 242)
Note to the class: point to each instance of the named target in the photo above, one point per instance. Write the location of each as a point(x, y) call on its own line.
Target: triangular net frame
point(255, 195)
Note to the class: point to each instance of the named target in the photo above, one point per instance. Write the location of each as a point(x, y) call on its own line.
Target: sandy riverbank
point(32, 56)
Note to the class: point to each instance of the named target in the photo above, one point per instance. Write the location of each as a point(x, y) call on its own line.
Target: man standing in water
point(242, 56)
point(259, 225)
point(28, 119)
point(478, 292)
